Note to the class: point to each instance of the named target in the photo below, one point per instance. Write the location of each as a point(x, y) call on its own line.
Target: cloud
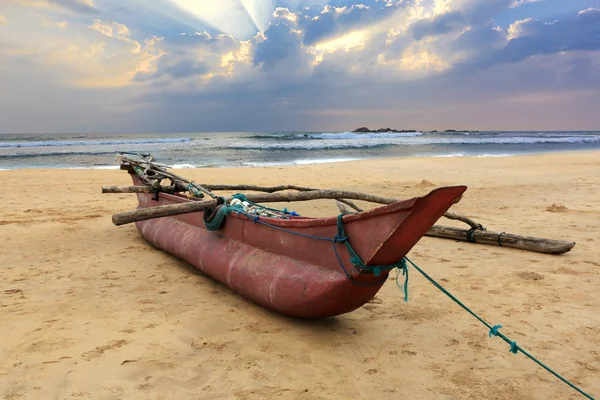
point(76, 6)
point(3, 20)
point(335, 21)
point(281, 43)
point(290, 64)
point(517, 28)
point(79, 6)
point(285, 14)
point(116, 31)
point(239, 18)
point(518, 3)
point(535, 37)
point(588, 10)
point(439, 25)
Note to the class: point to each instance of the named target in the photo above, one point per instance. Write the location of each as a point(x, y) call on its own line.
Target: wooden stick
point(317, 194)
point(156, 172)
point(169, 210)
point(137, 189)
point(273, 189)
point(177, 209)
point(255, 188)
point(477, 234)
point(548, 246)
point(342, 207)
point(539, 245)
point(464, 219)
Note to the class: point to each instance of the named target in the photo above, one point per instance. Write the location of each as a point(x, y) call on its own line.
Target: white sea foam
point(96, 167)
point(184, 166)
point(353, 135)
point(300, 162)
point(450, 155)
point(53, 143)
point(371, 142)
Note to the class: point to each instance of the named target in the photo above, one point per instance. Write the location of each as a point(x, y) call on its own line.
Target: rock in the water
point(364, 129)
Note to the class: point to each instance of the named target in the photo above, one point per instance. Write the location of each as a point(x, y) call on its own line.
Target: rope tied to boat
point(214, 219)
point(401, 266)
point(493, 330)
point(194, 190)
point(355, 258)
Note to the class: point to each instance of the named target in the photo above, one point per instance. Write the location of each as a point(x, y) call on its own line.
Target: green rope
point(493, 330)
point(222, 212)
point(242, 197)
point(404, 269)
point(195, 191)
point(355, 258)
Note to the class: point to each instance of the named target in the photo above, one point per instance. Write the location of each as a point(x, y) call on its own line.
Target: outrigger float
point(295, 265)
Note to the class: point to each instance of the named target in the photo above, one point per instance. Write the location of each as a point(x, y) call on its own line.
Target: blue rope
point(336, 239)
point(340, 237)
point(257, 219)
point(493, 330)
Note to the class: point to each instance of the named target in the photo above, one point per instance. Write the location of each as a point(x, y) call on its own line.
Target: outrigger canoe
point(279, 264)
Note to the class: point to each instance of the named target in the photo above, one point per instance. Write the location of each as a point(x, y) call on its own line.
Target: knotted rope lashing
point(194, 190)
point(471, 233)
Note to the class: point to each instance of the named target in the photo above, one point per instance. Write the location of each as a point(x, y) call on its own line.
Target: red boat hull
point(290, 274)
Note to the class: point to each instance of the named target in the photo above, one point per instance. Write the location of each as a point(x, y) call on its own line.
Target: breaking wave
point(90, 143)
point(413, 141)
point(336, 136)
point(57, 154)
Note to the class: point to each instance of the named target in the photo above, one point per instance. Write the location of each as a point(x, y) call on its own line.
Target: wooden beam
point(502, 239)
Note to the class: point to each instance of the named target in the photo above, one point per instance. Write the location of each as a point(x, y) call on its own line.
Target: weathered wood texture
point(137, 189)
point(273, 189)
point(477, 234)
point(177, 209)
point(539, 245)
point(462, 218)
point(143, 214)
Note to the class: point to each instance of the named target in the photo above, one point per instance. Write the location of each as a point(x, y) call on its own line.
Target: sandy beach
point(90, 310)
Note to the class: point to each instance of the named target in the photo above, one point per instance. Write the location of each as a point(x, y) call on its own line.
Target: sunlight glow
point(417, 58)
point(352, 41)
point(239, 18)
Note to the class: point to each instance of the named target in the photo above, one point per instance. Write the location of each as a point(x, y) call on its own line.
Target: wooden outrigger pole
point(152, 174)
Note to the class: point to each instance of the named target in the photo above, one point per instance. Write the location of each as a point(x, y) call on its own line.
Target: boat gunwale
point(309, 222)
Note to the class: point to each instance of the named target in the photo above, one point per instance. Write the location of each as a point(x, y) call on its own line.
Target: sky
point(298, 65)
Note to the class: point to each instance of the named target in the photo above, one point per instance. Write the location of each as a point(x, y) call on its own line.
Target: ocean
point(239, 149)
